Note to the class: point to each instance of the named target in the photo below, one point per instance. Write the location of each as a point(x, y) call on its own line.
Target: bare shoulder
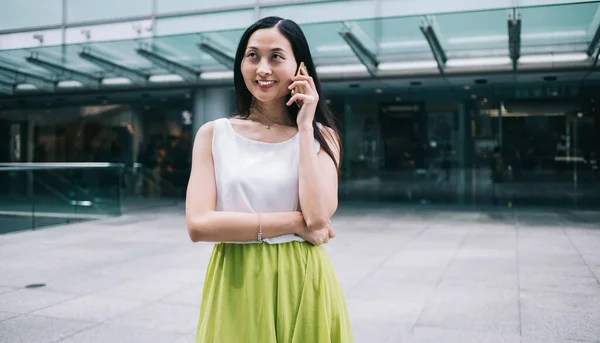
point(329, 134)
point(206, 131)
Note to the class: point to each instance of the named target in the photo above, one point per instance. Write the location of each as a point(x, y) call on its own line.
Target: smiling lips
point(264, 84)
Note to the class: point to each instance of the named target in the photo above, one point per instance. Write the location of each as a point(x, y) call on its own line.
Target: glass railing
point(34, 195)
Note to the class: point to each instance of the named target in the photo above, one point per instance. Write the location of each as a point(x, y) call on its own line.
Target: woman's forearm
point(311, 187)
point(218, 226)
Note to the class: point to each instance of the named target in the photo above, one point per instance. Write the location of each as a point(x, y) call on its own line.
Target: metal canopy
point(187, 73)
point(361, 45)
point(22, 77)
point(434, 45)
point(133, 75)
point(217, 52)
point(551, 38)
point(66, 73)
point(7, 87)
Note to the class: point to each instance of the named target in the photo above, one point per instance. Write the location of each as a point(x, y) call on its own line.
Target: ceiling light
point(408, 65)
point(553, 58)
point(166, 78)
point(472, 62)
point(504, 38)
point(217, 75)
point(330, 48)
point(70, 84)
point(116, 81)
point(478, 39)
point(561, 34)
point(348, 68)
point(403, 44)
point(26, 87)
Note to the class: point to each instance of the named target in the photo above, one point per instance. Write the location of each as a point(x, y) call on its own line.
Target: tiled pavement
point(409, 275)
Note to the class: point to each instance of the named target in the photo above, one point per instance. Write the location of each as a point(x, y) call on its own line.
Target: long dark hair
point(290, 30)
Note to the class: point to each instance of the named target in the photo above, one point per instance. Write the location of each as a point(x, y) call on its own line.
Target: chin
point(262, 97)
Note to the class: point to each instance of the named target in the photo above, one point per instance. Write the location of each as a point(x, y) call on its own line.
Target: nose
point(263, 68)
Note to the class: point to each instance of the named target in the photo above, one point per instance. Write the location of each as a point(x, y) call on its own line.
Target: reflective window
point(84, 10)
point(166, 6)
point(28, 13)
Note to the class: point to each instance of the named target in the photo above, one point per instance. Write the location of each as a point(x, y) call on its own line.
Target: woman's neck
point(274, 111)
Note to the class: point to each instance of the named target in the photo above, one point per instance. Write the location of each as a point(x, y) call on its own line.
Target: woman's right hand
point(318, 237)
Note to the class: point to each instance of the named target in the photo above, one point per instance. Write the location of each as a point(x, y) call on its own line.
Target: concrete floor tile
point(556, 316)
point(104, 333)
point(27, 300)
point(481, 309)
point(448, 276)
point(6, 315)
point(423, 334)
point(187, 295)
point(91, 308)
point(30, 328)
point(180, 319)
point(141, 289)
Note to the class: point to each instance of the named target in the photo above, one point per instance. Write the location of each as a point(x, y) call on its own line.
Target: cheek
point(247, 75)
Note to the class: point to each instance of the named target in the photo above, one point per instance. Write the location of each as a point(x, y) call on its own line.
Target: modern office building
point(487, 102)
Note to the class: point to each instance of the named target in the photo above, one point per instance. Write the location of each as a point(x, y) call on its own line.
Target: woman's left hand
point(306, 94)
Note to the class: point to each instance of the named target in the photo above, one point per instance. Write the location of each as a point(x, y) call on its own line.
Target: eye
point(277, 56)
point(251, 54)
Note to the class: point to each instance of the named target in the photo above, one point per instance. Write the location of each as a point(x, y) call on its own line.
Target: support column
point(211, 104)
point(347, 134)
point(463, 120)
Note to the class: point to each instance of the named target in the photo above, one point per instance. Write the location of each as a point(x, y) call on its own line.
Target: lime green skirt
point(279, 293)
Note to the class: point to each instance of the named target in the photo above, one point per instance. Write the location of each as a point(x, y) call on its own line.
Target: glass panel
point(145, 126)
point(326, 44)
point(16, 201)
point(30, 13)
point(321, 11)
point(194, 5)
point(84, 10)
point(15, 59)
point(402, 38)
point(460, 40)
point(120, 52)
point(184, 48)
point(558, 25)
point(208, 22)
point(34, 197)
point(441, 145)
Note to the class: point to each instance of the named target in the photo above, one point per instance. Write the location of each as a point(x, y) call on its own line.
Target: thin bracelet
point(260, 233)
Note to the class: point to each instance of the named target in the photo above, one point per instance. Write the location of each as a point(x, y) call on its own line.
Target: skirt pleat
point(272, 293)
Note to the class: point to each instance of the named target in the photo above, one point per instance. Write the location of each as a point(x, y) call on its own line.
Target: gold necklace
point(268, 126)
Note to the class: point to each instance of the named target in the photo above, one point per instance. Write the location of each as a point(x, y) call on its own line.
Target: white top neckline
point(230, 124)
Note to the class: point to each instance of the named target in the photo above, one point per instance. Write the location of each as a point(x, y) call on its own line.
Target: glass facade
point(470, 104)
point(481, 148)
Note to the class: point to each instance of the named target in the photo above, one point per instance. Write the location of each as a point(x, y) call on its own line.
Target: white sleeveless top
point(253, 176)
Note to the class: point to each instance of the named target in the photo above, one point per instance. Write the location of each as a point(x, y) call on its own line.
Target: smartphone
point(300, 88)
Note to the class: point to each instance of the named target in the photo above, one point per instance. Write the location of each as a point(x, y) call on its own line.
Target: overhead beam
point(434, 44)
point(133, 75)
point(187, 73)
point(67, 73)
point(514, 39)
point(357, 41)
point(215, 51)
point(21, 77)
point(594, 42)
point(7, 88)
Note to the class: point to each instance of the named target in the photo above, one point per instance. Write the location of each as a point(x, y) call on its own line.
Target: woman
point(264, 185)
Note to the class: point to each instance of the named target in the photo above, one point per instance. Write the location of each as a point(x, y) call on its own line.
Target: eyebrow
point(274, 49)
